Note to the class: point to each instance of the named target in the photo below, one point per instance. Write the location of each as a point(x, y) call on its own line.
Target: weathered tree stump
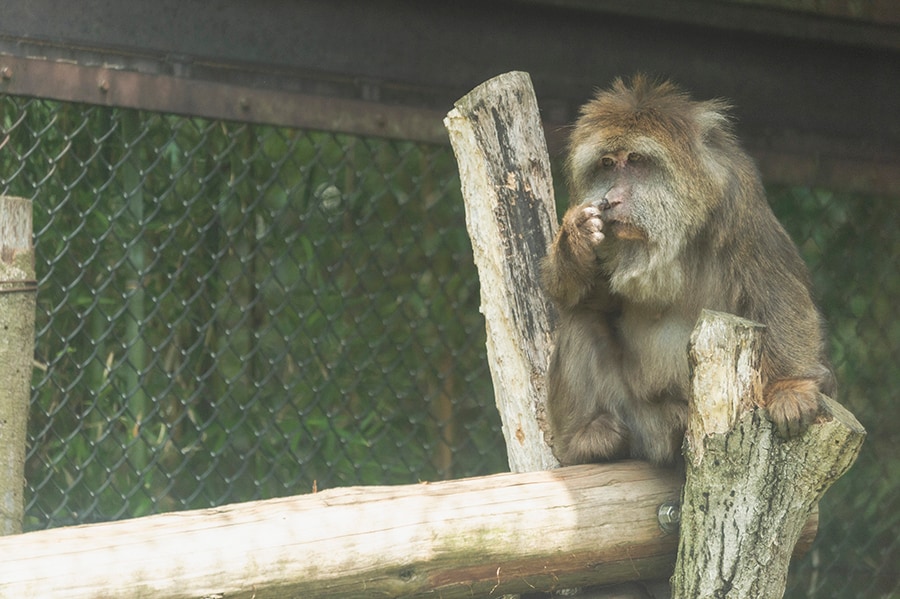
point(504, 169)
point(748, 493)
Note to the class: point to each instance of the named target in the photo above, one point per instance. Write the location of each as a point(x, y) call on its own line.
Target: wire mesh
point(231, 312)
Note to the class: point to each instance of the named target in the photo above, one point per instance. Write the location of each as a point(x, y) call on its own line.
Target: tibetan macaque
point(668, 217)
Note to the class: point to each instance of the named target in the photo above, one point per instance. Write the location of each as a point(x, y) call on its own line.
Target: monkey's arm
point(570, 271)
point(583, 378)
point(794, 365)
point(583, 386)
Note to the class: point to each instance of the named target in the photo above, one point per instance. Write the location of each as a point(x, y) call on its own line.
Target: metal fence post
point(18, 290)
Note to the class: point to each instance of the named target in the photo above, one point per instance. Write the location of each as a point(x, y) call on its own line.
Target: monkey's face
point(647, 156)
point(620, 174)
point(632, 191)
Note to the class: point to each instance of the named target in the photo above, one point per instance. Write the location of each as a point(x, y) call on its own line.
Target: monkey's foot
point(604, 438)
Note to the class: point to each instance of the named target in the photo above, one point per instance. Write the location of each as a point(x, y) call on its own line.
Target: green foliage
point(231, 312)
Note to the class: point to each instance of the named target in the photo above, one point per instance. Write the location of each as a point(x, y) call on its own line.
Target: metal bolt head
point(6, 72)
point(669, 516)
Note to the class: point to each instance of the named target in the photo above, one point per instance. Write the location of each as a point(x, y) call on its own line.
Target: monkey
point(668, 216)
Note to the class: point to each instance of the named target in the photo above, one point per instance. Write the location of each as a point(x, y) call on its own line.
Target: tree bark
point(748, 493)
point(18, 291)
point(504, 169)
point(506, 533)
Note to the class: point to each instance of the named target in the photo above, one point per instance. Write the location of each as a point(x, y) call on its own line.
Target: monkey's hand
point(571, 268)
point(581, 232)
point(793, 405)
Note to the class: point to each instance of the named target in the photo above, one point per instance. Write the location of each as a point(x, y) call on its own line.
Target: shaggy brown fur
point(668, 217)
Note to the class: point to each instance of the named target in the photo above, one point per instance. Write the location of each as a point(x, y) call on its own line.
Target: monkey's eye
point(607, 162)
point(635, 157)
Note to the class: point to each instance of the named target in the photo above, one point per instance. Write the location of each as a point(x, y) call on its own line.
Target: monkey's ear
point(716, 142)
point(713, 119)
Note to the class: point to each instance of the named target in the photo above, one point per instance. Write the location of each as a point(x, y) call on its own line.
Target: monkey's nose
point(608, 202)
point(613, 197)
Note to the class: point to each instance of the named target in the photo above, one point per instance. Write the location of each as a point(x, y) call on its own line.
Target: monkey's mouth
point(624, 230)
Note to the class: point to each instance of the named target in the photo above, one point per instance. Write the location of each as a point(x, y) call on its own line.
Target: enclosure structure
point(546, 530)
point(205, 279)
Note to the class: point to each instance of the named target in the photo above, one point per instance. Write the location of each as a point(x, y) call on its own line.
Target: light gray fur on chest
point(655, 351)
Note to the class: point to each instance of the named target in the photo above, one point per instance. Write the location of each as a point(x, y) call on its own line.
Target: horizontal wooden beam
point(505, 533)
point(783, 156)
point(109, 86)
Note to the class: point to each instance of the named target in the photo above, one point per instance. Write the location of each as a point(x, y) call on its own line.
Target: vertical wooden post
point(504, 168)
point(748, 492)
point(18, 290)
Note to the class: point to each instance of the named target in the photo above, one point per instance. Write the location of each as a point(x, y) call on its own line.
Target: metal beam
point(813, 112)
point(870, 24)
point(63, 80)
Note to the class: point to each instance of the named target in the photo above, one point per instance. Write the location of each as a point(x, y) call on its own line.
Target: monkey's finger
point(578, 216)
point(594, 230)
point(588, 213)
point(788, 428)
point(792, 415)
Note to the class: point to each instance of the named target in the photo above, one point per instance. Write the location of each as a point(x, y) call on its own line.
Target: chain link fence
point(231, 312)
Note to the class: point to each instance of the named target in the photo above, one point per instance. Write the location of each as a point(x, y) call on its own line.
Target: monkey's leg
point(585, 388)
point(603, 438)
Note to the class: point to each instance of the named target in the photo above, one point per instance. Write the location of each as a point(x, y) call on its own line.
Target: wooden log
point(18, 291)
point(506, 533)
point(504, 168)
point(748, 493)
